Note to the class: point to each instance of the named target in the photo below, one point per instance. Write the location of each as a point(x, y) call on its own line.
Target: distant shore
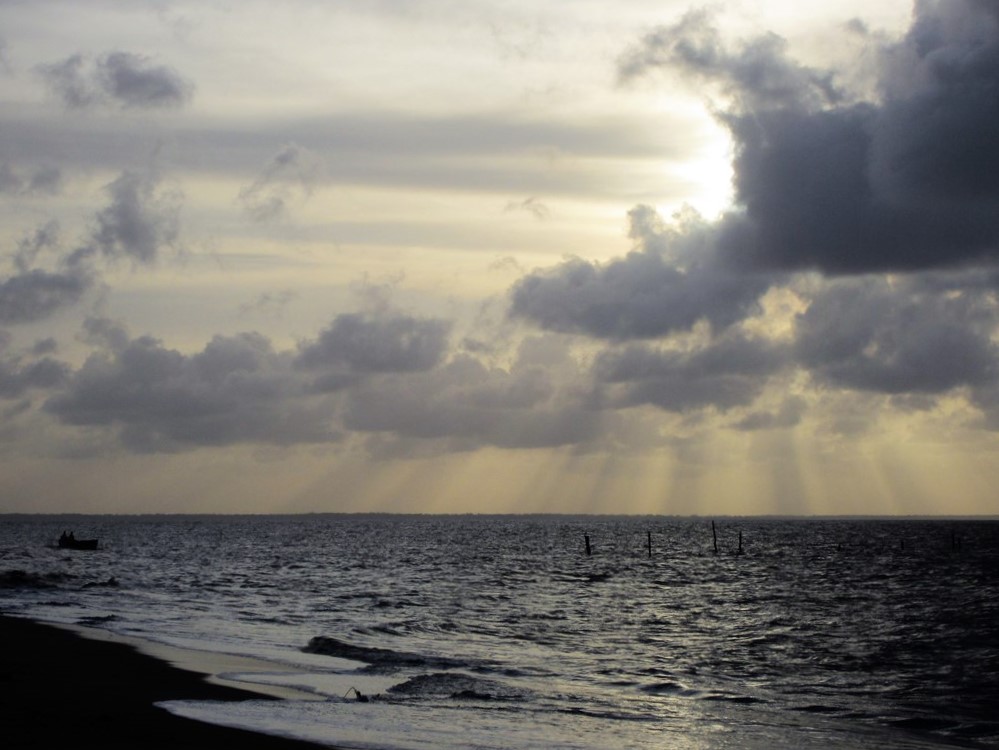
point(59, 688)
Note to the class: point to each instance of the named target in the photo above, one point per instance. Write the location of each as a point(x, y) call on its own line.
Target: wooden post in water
point(714, 536)
point(586, 538)
point(740, 542)
point(650, 543)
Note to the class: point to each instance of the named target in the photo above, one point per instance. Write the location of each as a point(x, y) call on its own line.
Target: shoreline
point(215, 668)
point(58, 685)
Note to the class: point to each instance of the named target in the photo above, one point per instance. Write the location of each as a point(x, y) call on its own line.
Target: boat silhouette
point(69, 541)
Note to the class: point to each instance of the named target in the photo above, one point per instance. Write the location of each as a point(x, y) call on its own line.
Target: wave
point(378, 659)
point(456, 686)
point(22, 579)
point(670, 688)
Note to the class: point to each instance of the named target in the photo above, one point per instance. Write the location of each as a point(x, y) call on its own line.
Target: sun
point(708, 174)
point(698, 173)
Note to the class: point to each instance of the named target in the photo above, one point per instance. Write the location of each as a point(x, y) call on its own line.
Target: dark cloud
point(139, 220)
point(19, 374)
point(135, 82)
point(804, 180)
point(356, 344)
point(16, 379)
point(674, 280)
point(727, 372)
point(125, 79)
point(237, 390)
point(827, 182)
point(288, 178)
point(36, 294)
point(936, 138)
point(896, 336)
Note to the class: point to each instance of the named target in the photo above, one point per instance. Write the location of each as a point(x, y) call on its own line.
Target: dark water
point(479, 631)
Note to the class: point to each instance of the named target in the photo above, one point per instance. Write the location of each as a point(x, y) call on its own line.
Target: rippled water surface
point(502, 632)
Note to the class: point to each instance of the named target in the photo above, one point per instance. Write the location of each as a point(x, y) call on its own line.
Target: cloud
point(288, 178)
point(827, 181)
point(936, 137)
point(139, 220)
point(788, 414)
point(236, 390)
point(45, 180)
point(898, 336)
point(757, 74)
point(269, 303)
point(40, 371)
point(104, 333)
point(36, 294)
point(464, 404)
point(123, 79)
point(137, 223)
point(358, 344)
point(397, 389)
point(44, 239)
point(728, 372)
point(674, 280)
point(532, 205)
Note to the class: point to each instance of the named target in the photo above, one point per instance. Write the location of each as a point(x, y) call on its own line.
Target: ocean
point(502, 632)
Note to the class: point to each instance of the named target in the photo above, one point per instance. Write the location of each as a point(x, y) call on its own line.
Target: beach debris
point(358, 695)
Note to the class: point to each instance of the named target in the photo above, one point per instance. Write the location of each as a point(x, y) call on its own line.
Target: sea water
point(502, 632)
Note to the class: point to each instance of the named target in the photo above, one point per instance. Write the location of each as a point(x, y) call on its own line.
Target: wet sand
point(59, 688)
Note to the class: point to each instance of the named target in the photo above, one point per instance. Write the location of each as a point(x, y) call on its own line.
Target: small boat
point(68, 541)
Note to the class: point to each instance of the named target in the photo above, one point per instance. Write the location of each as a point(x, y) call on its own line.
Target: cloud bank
point(827, 182)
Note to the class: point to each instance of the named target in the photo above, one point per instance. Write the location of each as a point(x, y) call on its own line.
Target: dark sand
point(60, 689)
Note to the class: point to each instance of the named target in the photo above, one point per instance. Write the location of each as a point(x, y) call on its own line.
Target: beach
point(59, 688)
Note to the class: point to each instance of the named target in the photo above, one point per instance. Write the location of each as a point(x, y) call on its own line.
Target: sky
point(499, 256)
